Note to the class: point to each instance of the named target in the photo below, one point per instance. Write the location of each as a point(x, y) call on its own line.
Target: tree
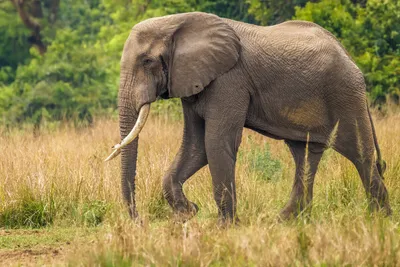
point(31, 14)
point(270, 12)
point(14, 49)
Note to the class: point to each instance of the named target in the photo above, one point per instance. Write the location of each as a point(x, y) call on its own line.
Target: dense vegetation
point(59, 60)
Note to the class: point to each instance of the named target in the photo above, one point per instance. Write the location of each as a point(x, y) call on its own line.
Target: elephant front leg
point(188, 161)
point(190, 158)
point(221, 146)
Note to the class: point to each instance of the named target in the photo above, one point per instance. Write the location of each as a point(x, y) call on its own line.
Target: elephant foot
point(133, 213)
point(226, 222)
point(287, 214)
point(184, 214)
point(136, 219)
point(383, 208)
point(387, 210)
point(292, 211)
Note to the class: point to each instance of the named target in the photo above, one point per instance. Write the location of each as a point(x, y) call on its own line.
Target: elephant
point(292, 81)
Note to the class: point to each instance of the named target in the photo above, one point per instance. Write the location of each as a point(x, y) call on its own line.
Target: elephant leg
point(356, 144)
point(190, 158)
point(225, 106)
point(306, 157)
point(373, 185)
point(223, 137)
point(221, 154)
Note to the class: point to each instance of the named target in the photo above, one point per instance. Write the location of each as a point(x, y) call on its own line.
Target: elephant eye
point(147, 61)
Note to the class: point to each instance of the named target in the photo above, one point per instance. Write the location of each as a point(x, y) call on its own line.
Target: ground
point(60, 204)
point(47, 246)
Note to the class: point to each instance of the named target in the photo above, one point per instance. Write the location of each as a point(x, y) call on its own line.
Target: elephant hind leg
point(307, 157)
point(355, 142)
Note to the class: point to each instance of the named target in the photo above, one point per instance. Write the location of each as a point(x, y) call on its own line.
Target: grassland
point(61, 204)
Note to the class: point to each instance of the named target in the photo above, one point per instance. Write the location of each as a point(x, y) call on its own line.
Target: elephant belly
point(306, 120)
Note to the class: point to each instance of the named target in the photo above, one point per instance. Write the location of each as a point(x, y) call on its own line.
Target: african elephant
point(292, 81)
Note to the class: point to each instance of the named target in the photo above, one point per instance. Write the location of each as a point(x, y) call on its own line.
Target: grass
point(50, 236)
point(55, 189)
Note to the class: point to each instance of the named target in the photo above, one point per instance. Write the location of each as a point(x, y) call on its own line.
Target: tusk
point(113, 154)
point(143, 114)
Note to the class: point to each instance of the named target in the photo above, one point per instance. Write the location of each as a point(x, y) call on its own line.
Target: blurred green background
point(59, 60)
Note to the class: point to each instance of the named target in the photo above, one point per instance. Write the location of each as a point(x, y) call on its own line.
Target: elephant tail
point(380, 163)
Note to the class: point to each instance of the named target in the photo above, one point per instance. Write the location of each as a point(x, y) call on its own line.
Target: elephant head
point(171, 56)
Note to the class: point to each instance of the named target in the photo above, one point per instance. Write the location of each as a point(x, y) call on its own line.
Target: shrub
point(259, 161)
point(28, 213)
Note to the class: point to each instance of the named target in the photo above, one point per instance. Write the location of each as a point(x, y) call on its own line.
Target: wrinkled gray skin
point(292, 81)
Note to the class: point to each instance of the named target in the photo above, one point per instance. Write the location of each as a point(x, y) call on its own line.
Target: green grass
point(32, 213)
point(259, 161)
point(27, 213)
point(14, 239)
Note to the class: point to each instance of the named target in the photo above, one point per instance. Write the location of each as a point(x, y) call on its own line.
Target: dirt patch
point(20, 232)
point(42, 247)
point(33, 257)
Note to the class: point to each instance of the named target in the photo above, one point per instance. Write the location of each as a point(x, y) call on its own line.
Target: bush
point(259, 161)
point(27, 213)
point(93, 213)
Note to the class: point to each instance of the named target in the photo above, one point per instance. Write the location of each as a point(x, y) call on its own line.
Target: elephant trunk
point(130, 127)
point(131, 123)
point(128, 173)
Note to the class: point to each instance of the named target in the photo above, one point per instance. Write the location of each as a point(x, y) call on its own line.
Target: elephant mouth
point(140, 122)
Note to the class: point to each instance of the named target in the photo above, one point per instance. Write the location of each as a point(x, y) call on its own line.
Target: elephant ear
point(203, 48)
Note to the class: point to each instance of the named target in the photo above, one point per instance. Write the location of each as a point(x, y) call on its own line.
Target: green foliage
point(259, 161)
point(93, 213)
point(170, 107)
point(27, 213)
point(14, 49)
point(77, 78)
point(70, 82)
point(268, 12)
point(37, 213)
point(237, 10)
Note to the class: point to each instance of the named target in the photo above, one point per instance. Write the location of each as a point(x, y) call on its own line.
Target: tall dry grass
point(59, 179)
